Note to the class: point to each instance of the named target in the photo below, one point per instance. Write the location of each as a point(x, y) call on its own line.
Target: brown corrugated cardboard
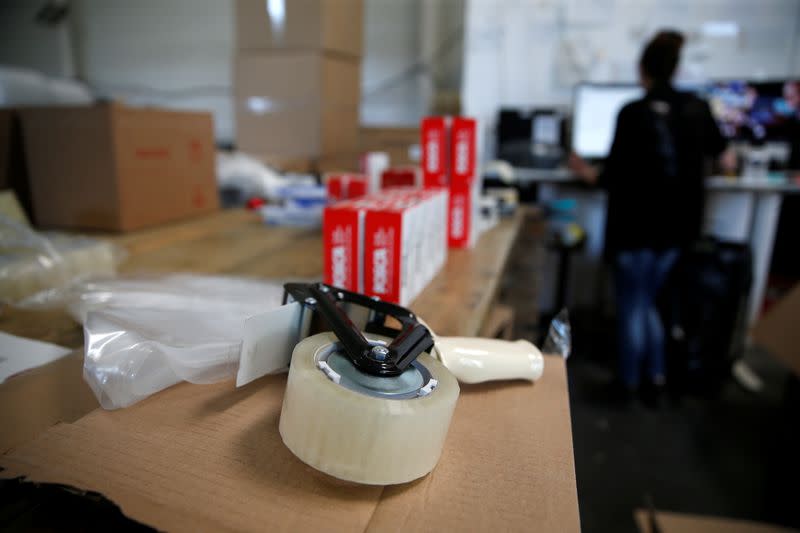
point(777, 331)
point(287, 164)
point(211, 457)
point(341, 162)
point(35, 400)
point(296, 104)
point(396, 141)
point(112, 167)
point(312, 25)
point(13, 171)
point(667, 522)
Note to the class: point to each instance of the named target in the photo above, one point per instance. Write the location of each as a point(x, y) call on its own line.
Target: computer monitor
point(753, 111)
point(595, 110)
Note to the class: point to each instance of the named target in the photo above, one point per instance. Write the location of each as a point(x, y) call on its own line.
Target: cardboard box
point(312, 25)
point(210, 458)
point(389, 245)
point(52, 393)
point(461, 216)
point(434, 144)
point(343, 162)
point(401, 177)
point(299, 165)
point(777, 331)
point(449, 150)
point(345, 186)
point(343, 243)
point(449, 159)
point(402, 144)
point(13, 169)
point(296, 104)
point(111, 167)
point(463, 152)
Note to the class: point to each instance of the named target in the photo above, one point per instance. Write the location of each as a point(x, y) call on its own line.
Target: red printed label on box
point(459, 216)
point(463, 151)
point(341, 247)
point(382, 233)
point(434, 151)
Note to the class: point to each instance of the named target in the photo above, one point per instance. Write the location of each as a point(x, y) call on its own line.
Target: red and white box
point(461, 216)
point(405, 245)
point(342, 238)
point(346, 186)
point(463, 151)
point(449, 159)
point(389, 245)
point(400, 177)
point(434, 144)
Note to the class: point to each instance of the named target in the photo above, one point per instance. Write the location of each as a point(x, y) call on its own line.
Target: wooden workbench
point(209, 457)
point(236, 242)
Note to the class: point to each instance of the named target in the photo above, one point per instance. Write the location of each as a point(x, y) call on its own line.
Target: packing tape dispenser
point(371, 390)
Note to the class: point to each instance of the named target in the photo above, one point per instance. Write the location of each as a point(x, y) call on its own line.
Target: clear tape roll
point(358, 437)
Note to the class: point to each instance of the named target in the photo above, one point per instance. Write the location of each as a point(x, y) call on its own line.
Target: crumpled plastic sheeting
point(144, 335)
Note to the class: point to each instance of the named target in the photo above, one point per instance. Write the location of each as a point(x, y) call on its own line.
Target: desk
point(209, 456)
point(737, 210)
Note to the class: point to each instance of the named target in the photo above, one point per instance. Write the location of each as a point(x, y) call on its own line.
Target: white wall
point(174, 53)
point(392, 47)
point(531, 52)
point(412, 48)
point(26, 43)
point(177, 53)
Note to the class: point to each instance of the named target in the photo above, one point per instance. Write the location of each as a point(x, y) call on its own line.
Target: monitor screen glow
point(595, 116)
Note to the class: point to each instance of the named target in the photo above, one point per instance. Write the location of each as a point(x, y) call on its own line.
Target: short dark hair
point(661, 55)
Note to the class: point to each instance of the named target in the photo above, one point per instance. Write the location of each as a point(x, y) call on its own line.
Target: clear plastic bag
point(32, 262)
point(144, 335)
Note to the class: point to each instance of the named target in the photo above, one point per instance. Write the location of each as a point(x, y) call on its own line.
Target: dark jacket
point(654, 172)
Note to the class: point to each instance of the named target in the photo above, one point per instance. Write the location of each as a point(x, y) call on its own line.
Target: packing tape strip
point(362, 438)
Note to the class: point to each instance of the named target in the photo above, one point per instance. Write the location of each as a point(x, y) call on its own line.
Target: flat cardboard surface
point(37, 399)
point(211, 457)
point(396, 141)
point(110, 167)
point(778, 330)
point(315, 25)
point(686, 523)
point(296, 104)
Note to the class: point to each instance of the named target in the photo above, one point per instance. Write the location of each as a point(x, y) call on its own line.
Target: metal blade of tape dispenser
point(269, 340)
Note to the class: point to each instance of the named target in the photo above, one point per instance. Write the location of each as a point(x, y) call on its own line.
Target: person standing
point(654, 179)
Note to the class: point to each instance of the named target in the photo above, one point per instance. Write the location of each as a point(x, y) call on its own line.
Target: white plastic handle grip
point(473, 360)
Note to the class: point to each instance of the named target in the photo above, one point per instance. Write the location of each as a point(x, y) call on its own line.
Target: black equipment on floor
point(705, 305)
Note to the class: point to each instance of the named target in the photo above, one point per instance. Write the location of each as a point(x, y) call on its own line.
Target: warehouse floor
point(713, 456)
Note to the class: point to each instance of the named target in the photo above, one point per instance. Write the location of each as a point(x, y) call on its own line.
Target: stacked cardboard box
point(113, 167)
point(449, 160)
point(388, 245)
point(297, 78)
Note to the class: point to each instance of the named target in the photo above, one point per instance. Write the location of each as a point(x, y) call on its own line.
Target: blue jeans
point(639, 275)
